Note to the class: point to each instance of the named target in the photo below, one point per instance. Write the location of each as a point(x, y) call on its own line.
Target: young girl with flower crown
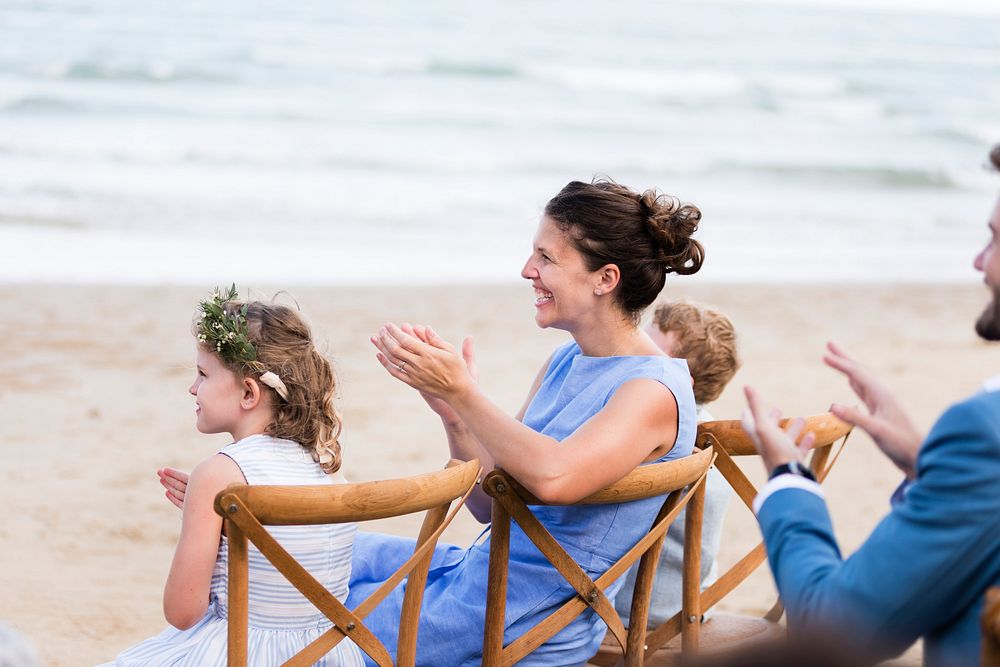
point(260, 379)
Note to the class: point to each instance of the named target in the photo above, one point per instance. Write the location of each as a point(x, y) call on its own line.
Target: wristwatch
point(792, 468)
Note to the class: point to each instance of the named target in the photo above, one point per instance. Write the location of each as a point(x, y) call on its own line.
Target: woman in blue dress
point(604, 403)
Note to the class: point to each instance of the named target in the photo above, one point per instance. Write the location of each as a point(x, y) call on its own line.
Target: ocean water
point(148, 141)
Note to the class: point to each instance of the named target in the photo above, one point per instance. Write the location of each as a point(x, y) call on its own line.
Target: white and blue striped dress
point(281, 620)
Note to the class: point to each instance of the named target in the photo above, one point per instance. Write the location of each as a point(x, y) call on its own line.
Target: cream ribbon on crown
point(272, 380)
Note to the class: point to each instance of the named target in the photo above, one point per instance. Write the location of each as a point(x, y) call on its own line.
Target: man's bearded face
point(988, 324)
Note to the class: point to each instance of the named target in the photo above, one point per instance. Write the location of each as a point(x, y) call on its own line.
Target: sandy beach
point(94, 383)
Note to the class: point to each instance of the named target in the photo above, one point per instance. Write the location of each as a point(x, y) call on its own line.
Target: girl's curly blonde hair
point(284, 345)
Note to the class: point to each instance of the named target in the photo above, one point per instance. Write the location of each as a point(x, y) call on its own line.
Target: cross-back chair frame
point(247, 509)
point(728, 440)
point(683, 481)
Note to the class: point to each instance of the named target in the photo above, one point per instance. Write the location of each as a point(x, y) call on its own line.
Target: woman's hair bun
point(672, 223)
point(645, 235)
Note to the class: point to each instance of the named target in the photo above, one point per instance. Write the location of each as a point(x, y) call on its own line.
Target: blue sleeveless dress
point(281, 621)
point(574, 388)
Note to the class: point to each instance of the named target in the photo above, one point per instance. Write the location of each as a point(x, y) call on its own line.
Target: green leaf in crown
point(228, 334)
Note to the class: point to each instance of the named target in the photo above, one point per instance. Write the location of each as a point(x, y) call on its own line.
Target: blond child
point(260, 379)
point(706, 339)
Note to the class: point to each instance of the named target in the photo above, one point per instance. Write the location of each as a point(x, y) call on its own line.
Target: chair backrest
point(683, 481)
point(728, 440)
point(991, 628)
point(247, 509)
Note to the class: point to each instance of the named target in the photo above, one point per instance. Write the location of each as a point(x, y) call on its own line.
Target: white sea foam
point(653, 82)
point(934, 7)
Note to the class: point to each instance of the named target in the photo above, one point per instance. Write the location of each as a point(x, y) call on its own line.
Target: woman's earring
point(598, 292)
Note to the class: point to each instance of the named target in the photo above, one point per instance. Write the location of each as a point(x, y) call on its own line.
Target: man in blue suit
point(924, 569)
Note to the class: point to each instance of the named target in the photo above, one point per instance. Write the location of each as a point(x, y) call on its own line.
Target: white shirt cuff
point(786, 481)
point(992, 384)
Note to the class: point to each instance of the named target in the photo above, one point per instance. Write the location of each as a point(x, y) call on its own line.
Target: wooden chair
point(729, 632)
point(991, 628)
point(683, 480)
point(247, 509)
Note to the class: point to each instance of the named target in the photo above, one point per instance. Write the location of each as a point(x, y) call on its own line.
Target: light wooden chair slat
point(247, 509)
point(683, 483)
point(726, 632)
point(991, 628)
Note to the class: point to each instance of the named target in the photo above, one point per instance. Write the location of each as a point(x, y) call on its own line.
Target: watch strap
point(792, 468)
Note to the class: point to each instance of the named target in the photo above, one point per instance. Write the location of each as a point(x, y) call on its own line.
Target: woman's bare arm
point(639, 418)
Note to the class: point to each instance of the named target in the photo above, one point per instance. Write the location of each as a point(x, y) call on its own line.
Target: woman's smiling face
point(564, 288)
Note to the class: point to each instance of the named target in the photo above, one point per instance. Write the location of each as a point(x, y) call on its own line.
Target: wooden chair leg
point(776, 612)
point(496, 587)
point(239, 606)
point(406, 645)
point(691, 578)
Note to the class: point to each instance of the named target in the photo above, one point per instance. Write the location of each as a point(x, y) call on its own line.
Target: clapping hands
point(442, 409)
point(419, 357)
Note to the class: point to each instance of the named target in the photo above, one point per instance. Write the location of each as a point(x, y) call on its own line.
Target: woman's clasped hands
point(416, 355)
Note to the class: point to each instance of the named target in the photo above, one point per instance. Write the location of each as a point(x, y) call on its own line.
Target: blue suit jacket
point(923, 570)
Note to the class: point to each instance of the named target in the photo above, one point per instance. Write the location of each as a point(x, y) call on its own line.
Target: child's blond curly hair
point(706, 339)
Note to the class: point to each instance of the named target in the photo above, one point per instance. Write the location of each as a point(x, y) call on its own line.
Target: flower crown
point(229, 334)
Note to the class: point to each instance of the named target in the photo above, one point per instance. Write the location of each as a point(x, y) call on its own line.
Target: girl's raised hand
point(175, 482)
point(427, 363)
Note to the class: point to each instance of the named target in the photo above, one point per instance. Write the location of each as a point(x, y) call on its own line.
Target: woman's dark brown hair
point(645, 235)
